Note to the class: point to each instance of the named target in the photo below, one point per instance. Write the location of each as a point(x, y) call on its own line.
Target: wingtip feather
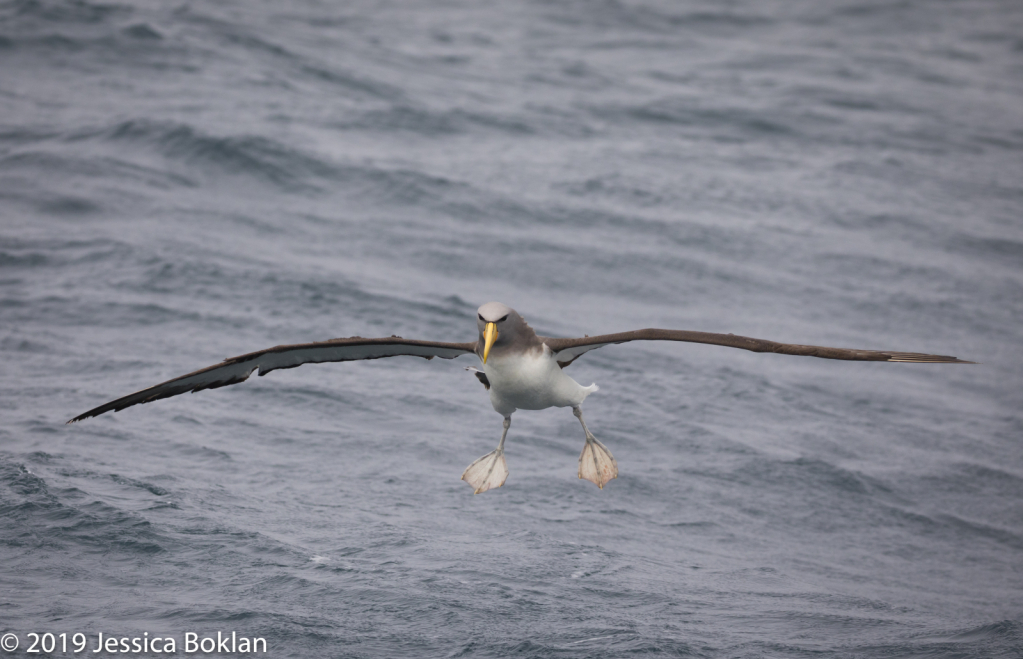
point(911, 358)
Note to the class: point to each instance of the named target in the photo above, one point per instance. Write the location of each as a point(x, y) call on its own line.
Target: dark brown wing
point(567, 351)
point(238, 369)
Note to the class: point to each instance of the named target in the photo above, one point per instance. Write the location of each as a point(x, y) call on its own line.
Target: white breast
point(531, 381)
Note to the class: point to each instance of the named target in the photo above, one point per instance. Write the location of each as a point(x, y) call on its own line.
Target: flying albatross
point(521, 370)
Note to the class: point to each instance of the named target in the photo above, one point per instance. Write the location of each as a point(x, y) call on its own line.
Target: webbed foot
point(596, 464)
point(489, 471)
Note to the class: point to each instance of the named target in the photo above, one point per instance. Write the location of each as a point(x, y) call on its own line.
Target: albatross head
point(499, 325)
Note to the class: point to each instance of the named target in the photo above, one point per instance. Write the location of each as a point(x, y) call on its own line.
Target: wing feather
point(567, 351)
point(238, 369)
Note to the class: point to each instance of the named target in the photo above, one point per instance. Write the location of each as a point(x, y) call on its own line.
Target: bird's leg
point(596, 464)
point(491, 470)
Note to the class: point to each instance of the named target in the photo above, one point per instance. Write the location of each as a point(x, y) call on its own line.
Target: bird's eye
point(481, 317)
point(503, 319)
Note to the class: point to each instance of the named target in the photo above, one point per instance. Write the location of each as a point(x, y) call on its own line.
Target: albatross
point(520, 370)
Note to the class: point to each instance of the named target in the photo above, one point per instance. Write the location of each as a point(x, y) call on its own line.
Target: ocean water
point(181, 182)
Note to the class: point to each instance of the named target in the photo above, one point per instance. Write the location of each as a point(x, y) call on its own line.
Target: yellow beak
point(489, 336)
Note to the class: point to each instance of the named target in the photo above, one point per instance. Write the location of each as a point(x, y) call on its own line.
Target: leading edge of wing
point(567, 351)
point(238, 369)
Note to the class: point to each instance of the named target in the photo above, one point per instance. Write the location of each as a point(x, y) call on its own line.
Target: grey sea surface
point(181, 182)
